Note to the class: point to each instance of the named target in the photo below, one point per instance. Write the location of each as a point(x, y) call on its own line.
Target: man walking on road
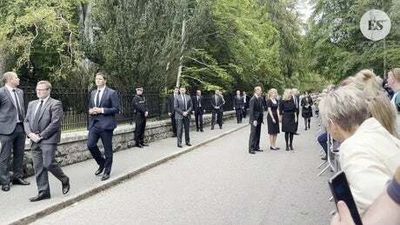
point(43, 126)
point(256, 112)
point(12, 135)
point(142, 112)
point(183, 107)
point(198, 110)
point(217, 101)
point(171, 110)
point(103, 105)
point(238, 106)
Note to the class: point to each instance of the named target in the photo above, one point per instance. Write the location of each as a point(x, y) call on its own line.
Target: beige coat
point(369, 158)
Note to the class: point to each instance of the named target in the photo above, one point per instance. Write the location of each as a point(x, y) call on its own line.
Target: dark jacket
point(110, 102)
point(238, 102)
point(198, 105)
point(256, 109)
point(139, 105)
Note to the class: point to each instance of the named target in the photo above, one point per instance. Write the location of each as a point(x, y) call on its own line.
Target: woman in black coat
point(272, 106)
point(306, 110)
point(287, 110)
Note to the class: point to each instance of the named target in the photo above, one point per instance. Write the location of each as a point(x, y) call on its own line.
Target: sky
point(304, 7)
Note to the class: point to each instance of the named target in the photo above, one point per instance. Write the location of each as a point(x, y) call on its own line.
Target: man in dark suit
point(198, 104)
point(296, 99)
point(171, 109)
point(43, 127)
point(245, 104)
point(217, 102)
point(103, 105)
point(12, 135)
point(142, 112)
point(183, 106)
point(238, 106)
point(256, 112)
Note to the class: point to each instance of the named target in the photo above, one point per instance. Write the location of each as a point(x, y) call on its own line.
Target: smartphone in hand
point(341, 192)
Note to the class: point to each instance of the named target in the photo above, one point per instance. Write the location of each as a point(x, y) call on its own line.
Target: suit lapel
point(46, 105)
point(103, 96)
point(10, 97)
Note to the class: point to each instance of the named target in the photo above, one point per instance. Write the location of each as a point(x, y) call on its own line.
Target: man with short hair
point(103, 106)
point(171, 110)
point(238, 106)
point(43, 127)
point(183, 106)
point(256, 112)
point(217, 101)
point(245, 104)
point(142, 112)
point(12, 135)
point(198, 110)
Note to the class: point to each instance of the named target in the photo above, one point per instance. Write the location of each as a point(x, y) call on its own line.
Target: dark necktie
point(184, 102)
point(35, 126)
point(17, 105)
point(198, 101)
point(98, 98)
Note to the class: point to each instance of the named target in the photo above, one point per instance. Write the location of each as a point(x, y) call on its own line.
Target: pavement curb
point(115, 181)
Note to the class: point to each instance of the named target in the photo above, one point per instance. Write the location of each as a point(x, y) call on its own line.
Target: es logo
point(375, 25)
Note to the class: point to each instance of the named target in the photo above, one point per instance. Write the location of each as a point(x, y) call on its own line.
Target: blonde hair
point(45, 82)
point(271, 92)
point(379, 105)
point(396, 73)
point(7, 76)
point(287, 94)
point(345, 106)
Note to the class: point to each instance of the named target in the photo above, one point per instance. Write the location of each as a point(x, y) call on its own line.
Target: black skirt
point(273, 128)
point(288, 122)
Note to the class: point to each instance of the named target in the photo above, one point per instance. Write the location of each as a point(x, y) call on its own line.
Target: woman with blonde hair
point(369, 154)
point(287, 111)
point(379, 105)
point(272, 117)
point(394, 83)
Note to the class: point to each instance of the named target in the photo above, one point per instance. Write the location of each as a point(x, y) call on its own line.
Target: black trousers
point(173, 123)
point(239, 115)
point(216, 115)
point(12, 144)
point(254, 140)
point(140, 126)
point(183, 123)
point(199, 119)
point(244, 112)
point(106, 137)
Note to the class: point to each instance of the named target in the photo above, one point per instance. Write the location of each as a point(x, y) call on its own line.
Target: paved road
point(219, 183)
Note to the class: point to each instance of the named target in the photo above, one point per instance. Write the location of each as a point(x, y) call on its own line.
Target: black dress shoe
point(20, 181)
point(252, 152)
point(99, 171)
point(201, 130)
point(220, 127)
point(5, 187)
point(296, 133)
point(174, 135)
point(145, 145)
point(179, 146)
point(188, 144)
point(105, 176)
point(139, 146)
point(324, 158)
point(40, 196)
point(287, 148)
point(65, 187)
point(212, 128)
point(258, 150)
point(291, 147)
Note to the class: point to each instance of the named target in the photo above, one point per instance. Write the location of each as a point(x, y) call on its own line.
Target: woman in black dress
point(306, 110)
point(272, 118)
point(287, 110)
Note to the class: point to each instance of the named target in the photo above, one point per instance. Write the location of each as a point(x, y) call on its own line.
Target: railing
point(75, 105)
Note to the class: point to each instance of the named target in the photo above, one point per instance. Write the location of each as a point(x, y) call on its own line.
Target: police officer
point(141, 111)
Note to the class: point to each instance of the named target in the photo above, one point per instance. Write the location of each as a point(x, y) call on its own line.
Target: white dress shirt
point(369, 158)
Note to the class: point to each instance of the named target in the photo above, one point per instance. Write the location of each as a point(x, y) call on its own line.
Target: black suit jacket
point(110, 103)
point(197, 104)
point(256, 110)
point(217, 103)
point(171, 100)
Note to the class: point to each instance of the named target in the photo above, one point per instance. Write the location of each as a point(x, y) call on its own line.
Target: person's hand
point(169, 114)
point(295, 119)
point(255, 123)
point(97, 110)
point(92, 112)
point(146, 114)
point(34, 137)
point(343, 217)
point(273, 120)
point(185, 113)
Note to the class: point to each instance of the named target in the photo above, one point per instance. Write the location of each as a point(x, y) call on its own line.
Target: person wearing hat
point(141, 111)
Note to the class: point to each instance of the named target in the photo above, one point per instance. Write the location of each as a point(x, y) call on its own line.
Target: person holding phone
point(385, 209)
point(369, 154)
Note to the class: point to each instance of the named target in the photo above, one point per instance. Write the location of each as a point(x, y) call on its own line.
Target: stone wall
point(73, 149)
